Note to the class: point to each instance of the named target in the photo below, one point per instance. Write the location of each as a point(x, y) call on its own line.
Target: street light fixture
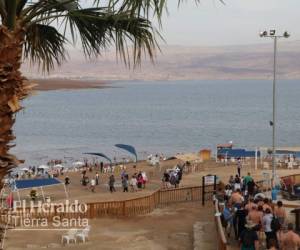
point(272, 34)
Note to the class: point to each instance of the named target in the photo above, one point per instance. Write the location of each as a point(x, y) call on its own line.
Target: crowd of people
point(256, 222)
point(172, 177)
point(137, 181)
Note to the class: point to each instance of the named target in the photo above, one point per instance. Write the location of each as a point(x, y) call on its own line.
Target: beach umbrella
point(58, 166)
point(24, 169)
point(128, 148)
point(43, 167)
point(78, 163)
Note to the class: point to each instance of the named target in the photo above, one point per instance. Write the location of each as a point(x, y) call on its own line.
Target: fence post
point(203, 190)
point(124, 208)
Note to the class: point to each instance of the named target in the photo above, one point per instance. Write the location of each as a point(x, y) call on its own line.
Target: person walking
point(267, 221)
point(250, 204)
point(266, 205)
point(93, 185)
point(125, 183)
point(228, 218)
point(140, 181)
point(239, 221)
point(144, 180)
point(165, 179)
point(236, 199)
point(231, 181)
point(133, 183)
point(111, 183)
point(239, 167)
point(251, 185)
point(290, 240)
point(256, 215)
point(249, 238)
point(273, 245)
point(67, 181)
point(97, 178)
point(237, 183)
point(227, 192)
point(280, 213)
point(247, 179)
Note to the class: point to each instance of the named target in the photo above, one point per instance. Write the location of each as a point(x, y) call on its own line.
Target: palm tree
point(40, 30)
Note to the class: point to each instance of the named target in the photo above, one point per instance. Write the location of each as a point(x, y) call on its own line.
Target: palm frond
point(46, 8)
point(125, 24)
point(100, 29)
point(45, 46)
point(140, 8)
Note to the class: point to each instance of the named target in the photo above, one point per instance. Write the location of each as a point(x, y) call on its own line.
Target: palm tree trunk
point(13, 88)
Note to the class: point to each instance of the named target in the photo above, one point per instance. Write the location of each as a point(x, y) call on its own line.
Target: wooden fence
point(147, 204)
point(221, 238)
point(124, 208)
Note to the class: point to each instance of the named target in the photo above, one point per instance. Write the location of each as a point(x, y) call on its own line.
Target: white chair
point(84, 234)
point(70, 236)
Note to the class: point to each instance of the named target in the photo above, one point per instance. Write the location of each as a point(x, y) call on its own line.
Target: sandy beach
point(169, 228)
point(139, 232)
point(156, 230)
point(60, 84)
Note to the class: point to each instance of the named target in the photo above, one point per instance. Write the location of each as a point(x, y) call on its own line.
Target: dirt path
point(168, 228)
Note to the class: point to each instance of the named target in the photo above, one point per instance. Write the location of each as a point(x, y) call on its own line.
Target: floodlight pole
point(274, 112)
point(275, 38)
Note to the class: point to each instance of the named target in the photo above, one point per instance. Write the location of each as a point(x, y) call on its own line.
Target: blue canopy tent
point(237, 153)
point(100, 155)
point(128, 148)
point(37, 183)
point(288, 152)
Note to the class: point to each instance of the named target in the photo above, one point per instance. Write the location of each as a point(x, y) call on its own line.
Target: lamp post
point(272, 34)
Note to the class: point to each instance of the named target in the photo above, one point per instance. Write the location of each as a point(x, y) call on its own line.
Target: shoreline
point(66, 84)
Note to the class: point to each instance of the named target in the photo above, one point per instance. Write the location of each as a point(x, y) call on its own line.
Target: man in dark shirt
point(249, 238)
point(67, 180)
point(239, 167)
point(251, 187)
point(239, 221)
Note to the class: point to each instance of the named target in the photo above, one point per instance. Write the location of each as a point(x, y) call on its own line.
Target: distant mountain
point(186, 63)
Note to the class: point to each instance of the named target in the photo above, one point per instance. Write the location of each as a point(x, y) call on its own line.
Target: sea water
point(156, 117)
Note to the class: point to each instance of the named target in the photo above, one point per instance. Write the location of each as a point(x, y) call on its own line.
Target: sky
point(238, 22)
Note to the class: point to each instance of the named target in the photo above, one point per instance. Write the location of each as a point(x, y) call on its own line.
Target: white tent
point(24, 169)
point(43, 167)
point(78, 163)
point(58, 166)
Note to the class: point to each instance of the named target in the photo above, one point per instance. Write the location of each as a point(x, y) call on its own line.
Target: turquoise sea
point(155, 117)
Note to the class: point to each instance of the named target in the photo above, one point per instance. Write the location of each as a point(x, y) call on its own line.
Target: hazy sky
point(237, 22)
